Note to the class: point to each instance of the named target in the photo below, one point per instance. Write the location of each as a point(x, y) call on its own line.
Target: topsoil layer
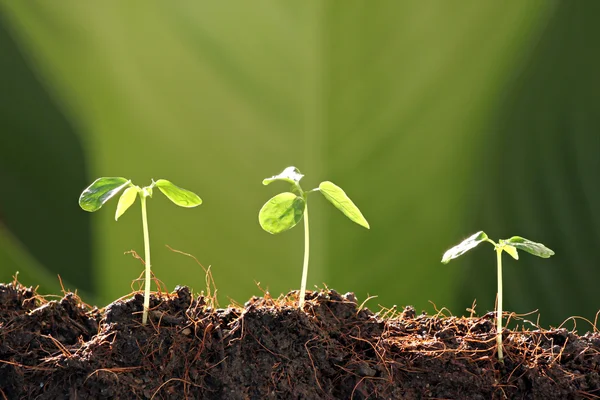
point(269, 349)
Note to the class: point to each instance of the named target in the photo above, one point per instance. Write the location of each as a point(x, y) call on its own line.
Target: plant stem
point(499, 308)
point(147, 259)
point(305, 265)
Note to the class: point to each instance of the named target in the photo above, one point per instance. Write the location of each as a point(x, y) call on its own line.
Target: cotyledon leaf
point(179, 196)
point(126, 200)
point(281, 212)
point(537, 249)
point(342, 202)
point(464, 246)
point(100, 191)
point(511, 250)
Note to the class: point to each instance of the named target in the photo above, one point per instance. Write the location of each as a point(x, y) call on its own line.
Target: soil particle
point(269, 349)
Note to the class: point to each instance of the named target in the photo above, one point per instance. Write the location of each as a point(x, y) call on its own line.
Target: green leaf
point(464, 246)
point(126, 200)
point(342, 202)
point(511, 250)
point(100, 191)
point(290, 174)
point(537, 249)
point(281, 212)
point(179, 196)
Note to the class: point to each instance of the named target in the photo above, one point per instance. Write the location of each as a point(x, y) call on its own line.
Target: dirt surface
point(268, 349)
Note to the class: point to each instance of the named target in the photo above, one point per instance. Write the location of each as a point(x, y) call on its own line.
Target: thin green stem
point(147, 259)
point(305, 265)
point(499, 310)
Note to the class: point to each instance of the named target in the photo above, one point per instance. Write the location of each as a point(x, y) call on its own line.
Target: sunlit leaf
point(537, 249)
point(464, 246)
point(290, 174)
point(512, 251)
point(342, 202)
point(281, 212)
point(100, 191)
point(179, 196)
point(126, 200)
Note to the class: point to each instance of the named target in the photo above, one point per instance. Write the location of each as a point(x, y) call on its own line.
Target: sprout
point(285, 210)
point(103, 189)
point(510, 246)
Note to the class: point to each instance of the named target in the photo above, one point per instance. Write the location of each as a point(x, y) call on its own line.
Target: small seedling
point(285, 210)
point(103, 189)
point(510, 246)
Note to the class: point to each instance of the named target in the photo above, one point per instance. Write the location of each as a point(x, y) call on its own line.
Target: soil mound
point(268, 349)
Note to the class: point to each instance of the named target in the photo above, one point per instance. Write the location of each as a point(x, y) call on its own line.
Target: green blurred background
point(438, 118)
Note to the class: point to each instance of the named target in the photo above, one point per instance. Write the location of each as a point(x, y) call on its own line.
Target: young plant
point(285, 210)
point(508, 245)
point(103, 189)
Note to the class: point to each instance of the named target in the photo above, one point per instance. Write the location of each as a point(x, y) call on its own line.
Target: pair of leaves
point(103, 189)
point(509, 245)
point(285, 210)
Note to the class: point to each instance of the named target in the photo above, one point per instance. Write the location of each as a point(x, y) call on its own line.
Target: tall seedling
point(508, 245)
point(285, 210)
point(103, 189)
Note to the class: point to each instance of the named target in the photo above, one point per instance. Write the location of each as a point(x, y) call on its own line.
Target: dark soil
point(269, 349)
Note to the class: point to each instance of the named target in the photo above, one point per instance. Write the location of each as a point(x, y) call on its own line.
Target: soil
point(269, 349)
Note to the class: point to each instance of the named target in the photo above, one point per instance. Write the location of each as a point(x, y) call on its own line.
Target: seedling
point(103, 189)
point(285, 210)
point(510, 246)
